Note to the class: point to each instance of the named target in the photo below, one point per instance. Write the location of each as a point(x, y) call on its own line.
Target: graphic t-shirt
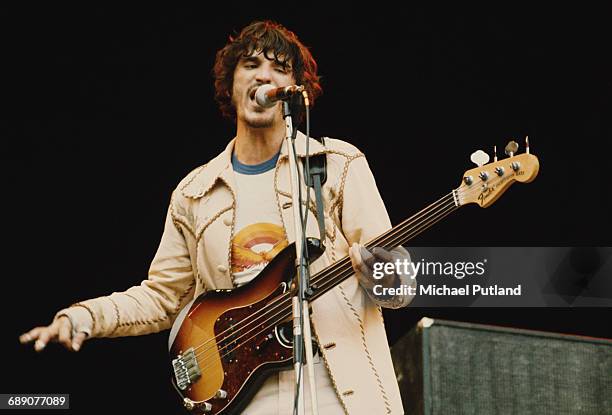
point(258, 230)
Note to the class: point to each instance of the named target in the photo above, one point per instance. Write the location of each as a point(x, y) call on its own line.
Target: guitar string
point(391, 240)
point(286, 300)
point(406, 222)
point(446, 210)
point(347, 271)
point(254, 316)
point(347, 266)
point(285, 312)
point(458, 190)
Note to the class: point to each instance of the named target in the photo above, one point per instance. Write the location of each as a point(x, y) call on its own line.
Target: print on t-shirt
point(255, 246)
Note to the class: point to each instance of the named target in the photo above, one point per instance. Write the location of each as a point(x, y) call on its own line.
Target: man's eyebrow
point(250, 59)
point(257, 59)
point(286, 64)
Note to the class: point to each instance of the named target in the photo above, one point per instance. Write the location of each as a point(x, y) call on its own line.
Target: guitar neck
point(336, 273)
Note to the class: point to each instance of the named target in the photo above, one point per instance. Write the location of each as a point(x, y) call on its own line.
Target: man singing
point(228, 218)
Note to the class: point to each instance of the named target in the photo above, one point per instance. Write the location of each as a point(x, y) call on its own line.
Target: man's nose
point(264, 74)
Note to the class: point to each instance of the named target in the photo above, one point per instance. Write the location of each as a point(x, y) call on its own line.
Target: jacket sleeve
point(151, 306)
point(365, 217)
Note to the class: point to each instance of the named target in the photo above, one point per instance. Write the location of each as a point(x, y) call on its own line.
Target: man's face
point(251, 72)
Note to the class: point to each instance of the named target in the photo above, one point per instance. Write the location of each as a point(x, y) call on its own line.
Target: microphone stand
point(302, 339)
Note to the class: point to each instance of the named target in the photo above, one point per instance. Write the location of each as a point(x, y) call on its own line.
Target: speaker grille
point(461, 368)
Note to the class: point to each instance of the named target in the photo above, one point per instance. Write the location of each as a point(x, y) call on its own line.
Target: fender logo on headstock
point(489, 190)
point(485, 184)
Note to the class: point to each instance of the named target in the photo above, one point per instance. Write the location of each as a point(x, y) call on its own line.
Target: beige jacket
point(194, 255)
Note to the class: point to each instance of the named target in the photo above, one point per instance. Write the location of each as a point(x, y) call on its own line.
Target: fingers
point(355, 256)
point(59, 330)
point(40, 336)
point(31, 335)
point(401, 254)
point(46, 335)
point(78, 340)
point(65, 332)
point(360, 262)
point(382, 254)
point(367, 257)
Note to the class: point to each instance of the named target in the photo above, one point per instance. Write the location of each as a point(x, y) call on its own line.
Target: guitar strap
point(316, 178)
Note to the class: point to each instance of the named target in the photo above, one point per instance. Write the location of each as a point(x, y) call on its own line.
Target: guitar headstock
point(484, 184)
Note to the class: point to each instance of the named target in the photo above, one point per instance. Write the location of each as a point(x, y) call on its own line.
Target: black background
point(106, 109)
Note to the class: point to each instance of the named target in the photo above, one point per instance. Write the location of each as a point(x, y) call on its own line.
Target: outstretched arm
point(147, 308)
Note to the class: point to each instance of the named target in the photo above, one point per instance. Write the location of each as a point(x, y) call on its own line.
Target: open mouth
point(252, 93)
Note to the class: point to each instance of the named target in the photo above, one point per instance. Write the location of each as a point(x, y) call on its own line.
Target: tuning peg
point(479, 158)
point(494, 154)
point(527, 144)
point(511, 148)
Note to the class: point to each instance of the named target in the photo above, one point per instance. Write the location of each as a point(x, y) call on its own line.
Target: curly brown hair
point(275, 42)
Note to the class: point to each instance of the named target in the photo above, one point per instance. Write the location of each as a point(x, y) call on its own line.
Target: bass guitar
point(225, 344)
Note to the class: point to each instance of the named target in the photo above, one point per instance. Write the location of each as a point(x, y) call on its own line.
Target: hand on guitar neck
point(364, 260)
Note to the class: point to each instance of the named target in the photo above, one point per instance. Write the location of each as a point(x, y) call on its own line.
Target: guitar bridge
point(186, 369)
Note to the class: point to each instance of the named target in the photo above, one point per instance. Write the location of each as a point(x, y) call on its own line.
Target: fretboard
point(328, 278)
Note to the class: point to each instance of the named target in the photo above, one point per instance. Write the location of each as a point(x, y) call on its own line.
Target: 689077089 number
point(37, 401)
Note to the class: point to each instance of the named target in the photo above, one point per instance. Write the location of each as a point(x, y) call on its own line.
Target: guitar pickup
point(186, 369)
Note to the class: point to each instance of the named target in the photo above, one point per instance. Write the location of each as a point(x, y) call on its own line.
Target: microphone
point(267, 95)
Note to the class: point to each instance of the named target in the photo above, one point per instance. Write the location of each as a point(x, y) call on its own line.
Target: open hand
point(60, 331)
